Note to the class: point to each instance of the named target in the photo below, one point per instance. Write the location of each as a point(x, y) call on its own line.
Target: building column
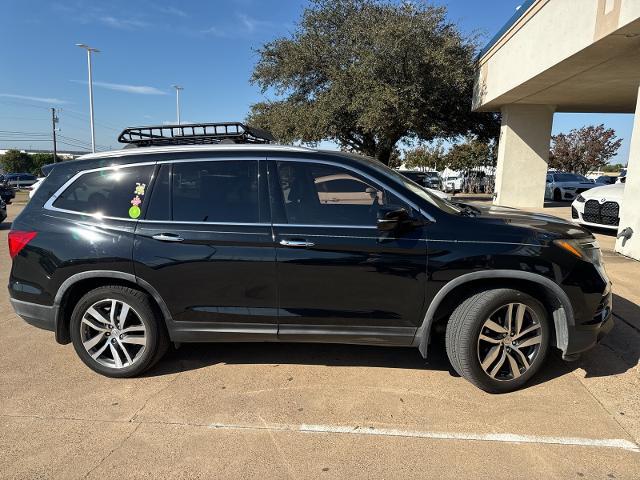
point(523, 154)
point(630, 209)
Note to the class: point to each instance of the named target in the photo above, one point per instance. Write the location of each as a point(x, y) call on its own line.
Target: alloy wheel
point(509, 341)
point(113, 333)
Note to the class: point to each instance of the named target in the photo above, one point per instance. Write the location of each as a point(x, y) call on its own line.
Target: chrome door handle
point(296, 243)
point(166, 237)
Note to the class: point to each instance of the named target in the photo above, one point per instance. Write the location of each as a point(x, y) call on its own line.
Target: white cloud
point(244, 25)
point(173, 11)
point(248, 22)
point(214, 31)
point(120, 87)
point(122, 23)
point(55, 101)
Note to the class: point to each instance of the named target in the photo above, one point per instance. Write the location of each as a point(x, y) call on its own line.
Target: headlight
point(580, 199)
point(585, 249)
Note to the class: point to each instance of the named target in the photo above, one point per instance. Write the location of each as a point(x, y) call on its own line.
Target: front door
point(206, 247)
point(339, 279)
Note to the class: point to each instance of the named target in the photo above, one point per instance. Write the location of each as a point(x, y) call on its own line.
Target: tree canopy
point(470, 154)
point(427, 157)
point(465, 155)
point(15, 161)
point(367, 74)
point(584, 149)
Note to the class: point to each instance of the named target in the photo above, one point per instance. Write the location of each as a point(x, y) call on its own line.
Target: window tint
point(317, 194)
point(216, 191)
point(110, 193)
point(159, 207)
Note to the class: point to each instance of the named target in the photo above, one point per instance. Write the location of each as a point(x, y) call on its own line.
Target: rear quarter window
point(118, 193)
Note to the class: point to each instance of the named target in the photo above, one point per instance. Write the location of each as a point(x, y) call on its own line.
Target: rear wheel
point(498, 339)
point(115, 332)
point(557, 195)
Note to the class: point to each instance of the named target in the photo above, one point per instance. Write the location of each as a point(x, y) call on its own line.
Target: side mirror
point(392, 218)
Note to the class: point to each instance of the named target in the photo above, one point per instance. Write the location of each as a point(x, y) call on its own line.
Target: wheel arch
point(554, 299)
point(78, 284)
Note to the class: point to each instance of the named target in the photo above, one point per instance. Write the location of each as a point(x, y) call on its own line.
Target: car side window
point(215, 191)
point(320, 194)
point(118, 193)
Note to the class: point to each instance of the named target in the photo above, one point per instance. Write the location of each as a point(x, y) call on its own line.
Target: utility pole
point(178, 88)
point(54, 120)
point(90, 50)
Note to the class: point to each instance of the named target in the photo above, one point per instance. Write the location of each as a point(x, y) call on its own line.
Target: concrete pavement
point(315, 411)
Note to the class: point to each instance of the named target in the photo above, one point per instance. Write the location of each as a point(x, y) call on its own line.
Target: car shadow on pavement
point(5, 226)
point(194, 356)
point(616, 354)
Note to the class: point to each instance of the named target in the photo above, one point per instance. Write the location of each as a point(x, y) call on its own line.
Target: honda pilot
point(212, 233)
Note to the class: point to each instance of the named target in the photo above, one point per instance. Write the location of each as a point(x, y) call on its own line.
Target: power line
point(84, 116)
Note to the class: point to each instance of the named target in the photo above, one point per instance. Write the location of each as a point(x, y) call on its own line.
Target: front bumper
point(41, 316)
point(586, 335)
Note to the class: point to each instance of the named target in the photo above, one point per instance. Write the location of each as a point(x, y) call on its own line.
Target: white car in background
point(566, 186)
point(35, 186)
point(599, 207)
point(453, 183)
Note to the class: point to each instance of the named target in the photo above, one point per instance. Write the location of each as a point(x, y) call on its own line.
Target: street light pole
point(178, 88)
point(89, 51)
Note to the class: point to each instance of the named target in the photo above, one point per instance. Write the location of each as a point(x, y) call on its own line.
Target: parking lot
point(318, 411)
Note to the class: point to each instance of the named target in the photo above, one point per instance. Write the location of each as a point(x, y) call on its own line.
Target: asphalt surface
point(316, 411)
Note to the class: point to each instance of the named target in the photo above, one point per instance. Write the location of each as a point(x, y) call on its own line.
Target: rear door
point(339, 279)
point(206, 247)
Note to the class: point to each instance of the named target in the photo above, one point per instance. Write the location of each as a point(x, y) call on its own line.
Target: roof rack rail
point(194, 134)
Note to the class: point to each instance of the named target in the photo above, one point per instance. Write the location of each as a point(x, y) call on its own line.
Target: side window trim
point(49, 203)
point(375, 181)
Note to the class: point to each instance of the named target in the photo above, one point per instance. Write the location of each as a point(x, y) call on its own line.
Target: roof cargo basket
point(194, 134)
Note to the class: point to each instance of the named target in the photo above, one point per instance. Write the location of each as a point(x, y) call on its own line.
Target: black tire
point(465, 326)
point(557, 195)
point(157, 341)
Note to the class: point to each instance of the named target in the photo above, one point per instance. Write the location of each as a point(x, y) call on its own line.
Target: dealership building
point(561, 56)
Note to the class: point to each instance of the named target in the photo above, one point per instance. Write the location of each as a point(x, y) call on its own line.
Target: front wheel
point(557, 195)
point(115, 332)
point(498, 339)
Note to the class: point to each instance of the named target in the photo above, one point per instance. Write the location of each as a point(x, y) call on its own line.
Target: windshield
point(419, 190)
point(570, 177)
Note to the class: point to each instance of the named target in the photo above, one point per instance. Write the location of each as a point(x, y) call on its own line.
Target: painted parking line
point(617, 443)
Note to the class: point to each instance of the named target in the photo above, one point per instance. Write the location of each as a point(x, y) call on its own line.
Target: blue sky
point(148, 45)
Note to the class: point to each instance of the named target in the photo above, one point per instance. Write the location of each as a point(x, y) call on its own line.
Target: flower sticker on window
point(140, 188)
point(134, 211)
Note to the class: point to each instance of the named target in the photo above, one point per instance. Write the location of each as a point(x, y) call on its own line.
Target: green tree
point(613, 167)
point(15, 161)
point(38, 161)
point(427, 157)
point(583, 149)
point(367, 74)
point(470, 154)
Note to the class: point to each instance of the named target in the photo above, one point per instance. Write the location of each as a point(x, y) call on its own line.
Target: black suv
point(7, 193)
point(237, 240)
